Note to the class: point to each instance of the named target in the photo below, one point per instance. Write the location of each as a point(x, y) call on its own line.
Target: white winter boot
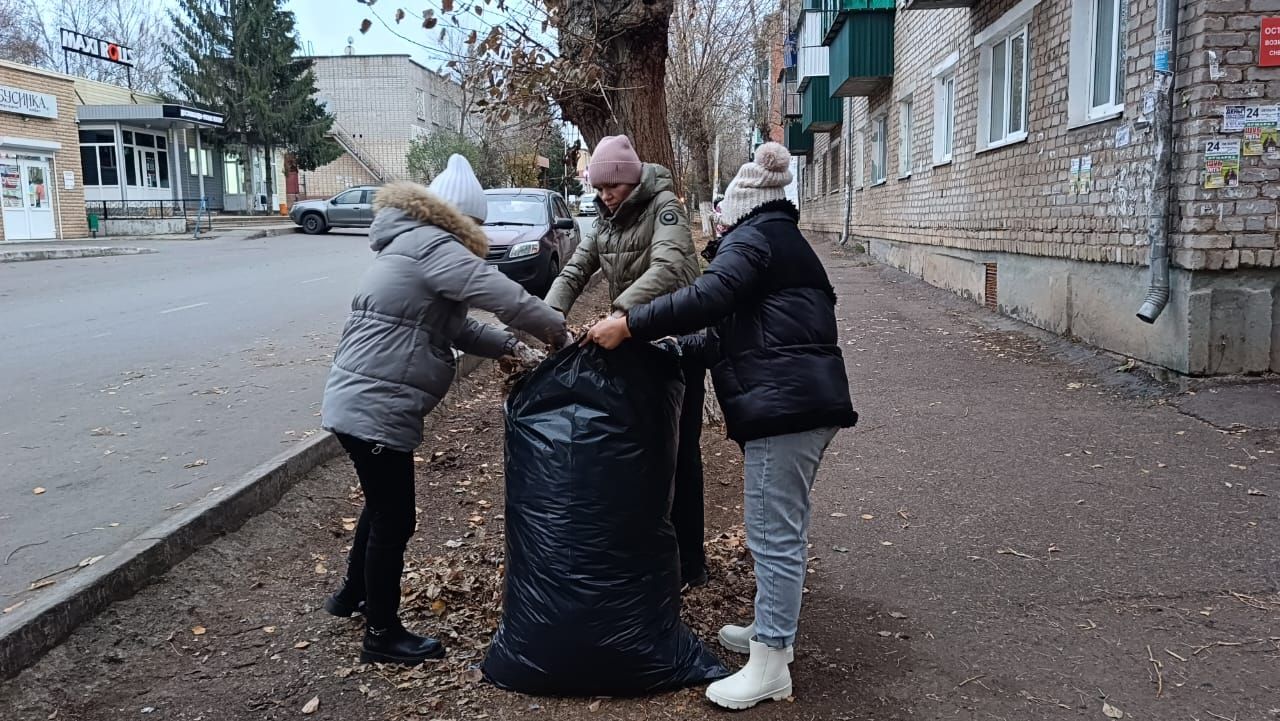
point(765, 677)
point(738, 639)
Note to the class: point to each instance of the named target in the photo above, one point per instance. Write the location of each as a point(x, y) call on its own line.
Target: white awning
point(48, 146)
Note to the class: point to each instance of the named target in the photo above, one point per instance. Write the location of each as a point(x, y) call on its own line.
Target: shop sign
point(1269, 44)
point(27, 102)
point(75, 42)
point(199, 116)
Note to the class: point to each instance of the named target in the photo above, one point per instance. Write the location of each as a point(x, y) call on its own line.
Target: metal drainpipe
point(847, 149)
point(1162, 122)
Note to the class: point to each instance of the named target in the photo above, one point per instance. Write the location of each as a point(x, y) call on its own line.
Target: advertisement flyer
point(1260, 132)
point(1233, 118)
point(1086, 174)
point(1221, 163)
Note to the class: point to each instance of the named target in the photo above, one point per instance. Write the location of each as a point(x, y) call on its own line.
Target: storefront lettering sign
point(1269, 43)
point(206, 117)
point(96, 48)
point(27, 102)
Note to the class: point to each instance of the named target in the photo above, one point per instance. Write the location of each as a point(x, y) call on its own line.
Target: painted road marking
point(183, 307)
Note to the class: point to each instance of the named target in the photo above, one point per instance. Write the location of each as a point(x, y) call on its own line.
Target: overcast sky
point(326, 24)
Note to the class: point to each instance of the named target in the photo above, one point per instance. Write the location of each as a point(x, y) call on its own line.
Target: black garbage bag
point(592, 598)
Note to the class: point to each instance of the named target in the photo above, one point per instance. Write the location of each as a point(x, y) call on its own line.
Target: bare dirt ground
point(1014, 531)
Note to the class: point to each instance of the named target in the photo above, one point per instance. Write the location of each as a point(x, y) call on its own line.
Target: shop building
point(41, 187)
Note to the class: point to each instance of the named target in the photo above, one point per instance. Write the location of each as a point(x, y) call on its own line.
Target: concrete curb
point(39, 626)
point(19, 256)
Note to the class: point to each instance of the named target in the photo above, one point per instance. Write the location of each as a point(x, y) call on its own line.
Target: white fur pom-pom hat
point(762, 181)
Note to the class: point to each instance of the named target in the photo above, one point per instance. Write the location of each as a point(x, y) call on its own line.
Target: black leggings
point(686, 506)
point(387, 522)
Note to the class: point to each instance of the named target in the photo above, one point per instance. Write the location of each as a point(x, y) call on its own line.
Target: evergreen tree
point(239, 57)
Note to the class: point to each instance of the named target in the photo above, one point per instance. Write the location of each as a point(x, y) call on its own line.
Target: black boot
point(345, 601)
point(396, 645)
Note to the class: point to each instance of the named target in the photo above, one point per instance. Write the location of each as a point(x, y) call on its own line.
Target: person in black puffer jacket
point(775, 358)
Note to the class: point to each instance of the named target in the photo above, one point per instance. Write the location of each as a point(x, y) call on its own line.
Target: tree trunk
point(627, 42)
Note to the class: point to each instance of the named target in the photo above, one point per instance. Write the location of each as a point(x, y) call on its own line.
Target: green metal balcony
point(837, 12)
point(935, 4)
point(861, 53)
point(820, 112)
point(798, 140)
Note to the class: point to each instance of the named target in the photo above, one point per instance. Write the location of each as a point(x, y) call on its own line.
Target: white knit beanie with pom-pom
point(757, 183)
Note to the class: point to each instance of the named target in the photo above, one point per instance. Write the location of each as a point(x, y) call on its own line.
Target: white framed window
point(1096, 80)
point(906, 132)
point(1004, 78)
point(879, 148)
point(944, 109)
point(199, 161)
point(859, 165)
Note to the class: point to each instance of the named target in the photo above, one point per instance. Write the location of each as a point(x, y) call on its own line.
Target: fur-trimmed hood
point(403, 206)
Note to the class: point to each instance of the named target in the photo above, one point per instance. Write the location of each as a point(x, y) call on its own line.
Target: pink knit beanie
point(614, 163)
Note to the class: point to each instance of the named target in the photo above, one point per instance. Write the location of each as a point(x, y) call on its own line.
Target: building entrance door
point(26, 199)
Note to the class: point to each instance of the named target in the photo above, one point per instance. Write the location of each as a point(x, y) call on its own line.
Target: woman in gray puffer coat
point(395, 363)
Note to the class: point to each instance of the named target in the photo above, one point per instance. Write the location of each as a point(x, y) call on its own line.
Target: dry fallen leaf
point(269, 629)
point(311, 706)
point(320, 569)
point(886, 543)
point(419, 459)
point(301, 645)
point(1256, 492)
point(840, 549)
point(38, 490)
point(839, 515)
point(197, 630)
point(1111, 711)
point(197, 463)
point(895, 614)
point(594, 706)
point(867, 517)
point(438, 607)
point(90, 561)
point(41, 584)
point(14, 606)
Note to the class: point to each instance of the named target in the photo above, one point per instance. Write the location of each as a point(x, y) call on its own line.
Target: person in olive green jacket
point(642, 244)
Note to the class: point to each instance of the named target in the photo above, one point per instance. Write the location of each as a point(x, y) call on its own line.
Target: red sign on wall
point(1269, 45)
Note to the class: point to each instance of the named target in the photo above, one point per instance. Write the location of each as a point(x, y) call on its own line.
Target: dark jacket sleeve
point(703, 347)
point(732, 277)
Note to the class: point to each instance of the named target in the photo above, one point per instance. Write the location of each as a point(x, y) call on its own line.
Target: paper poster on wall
point(1075, 176)
point(1086, 174)
point(68, 179)
point(1234, 118)
point(1260, 131)
point(1221, 163)
point(1122, 136)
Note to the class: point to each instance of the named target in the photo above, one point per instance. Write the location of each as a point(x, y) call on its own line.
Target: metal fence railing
point(146, 209)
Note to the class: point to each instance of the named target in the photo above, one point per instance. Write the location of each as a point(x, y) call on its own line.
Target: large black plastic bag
point(592, 597)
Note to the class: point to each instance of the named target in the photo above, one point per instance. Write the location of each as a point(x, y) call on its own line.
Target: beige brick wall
point(375, 99)
point(333, 178)
point(69, 204)
point(1018, 198)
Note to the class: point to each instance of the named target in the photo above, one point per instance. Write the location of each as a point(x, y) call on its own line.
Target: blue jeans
point(779, 475)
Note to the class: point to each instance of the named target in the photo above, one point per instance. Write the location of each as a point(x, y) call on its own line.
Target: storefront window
point(146, 161)
point(232, 175)
point(10, 185)
point(98, 157)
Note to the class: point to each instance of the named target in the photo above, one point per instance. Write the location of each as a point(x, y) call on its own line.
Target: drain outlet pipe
point(846, 147)
point(1162, 159)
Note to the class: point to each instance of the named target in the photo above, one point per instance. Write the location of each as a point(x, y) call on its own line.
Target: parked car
point(352, 208)
point(531, 234)
point(587, 205)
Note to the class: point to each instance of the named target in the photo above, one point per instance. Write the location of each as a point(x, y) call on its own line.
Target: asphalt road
point(134, 385)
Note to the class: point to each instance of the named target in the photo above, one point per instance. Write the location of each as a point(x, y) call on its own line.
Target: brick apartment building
point(380, 103)
point(1007, 151)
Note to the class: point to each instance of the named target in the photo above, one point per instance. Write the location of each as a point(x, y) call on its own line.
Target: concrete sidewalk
point(19, 251)
point(1016, 530)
